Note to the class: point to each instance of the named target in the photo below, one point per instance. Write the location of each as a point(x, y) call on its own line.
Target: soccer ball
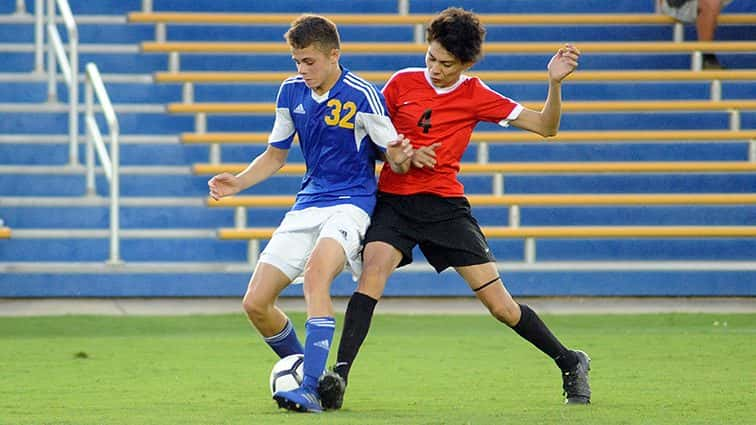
point(287, 373)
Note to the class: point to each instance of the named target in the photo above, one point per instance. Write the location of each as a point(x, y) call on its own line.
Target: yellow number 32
point(335, 118)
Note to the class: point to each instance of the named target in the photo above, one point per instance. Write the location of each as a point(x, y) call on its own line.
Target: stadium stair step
point(58, 245)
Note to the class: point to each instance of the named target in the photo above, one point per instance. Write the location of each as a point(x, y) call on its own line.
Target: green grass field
point(647, 369)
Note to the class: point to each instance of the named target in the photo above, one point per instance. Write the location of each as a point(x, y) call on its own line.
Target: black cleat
point(331, 388)
point(577, 389)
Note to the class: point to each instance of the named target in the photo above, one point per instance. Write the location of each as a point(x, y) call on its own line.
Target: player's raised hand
point(425, 156)
point(563, 63)
point(224, 184)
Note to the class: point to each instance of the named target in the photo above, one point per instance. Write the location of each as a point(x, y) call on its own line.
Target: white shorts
point(295, 238)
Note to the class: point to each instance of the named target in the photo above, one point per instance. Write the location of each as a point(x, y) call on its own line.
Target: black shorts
point(444, 228)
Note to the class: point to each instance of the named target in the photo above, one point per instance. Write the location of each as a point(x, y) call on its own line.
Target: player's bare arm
point(546, 122)
point(262, 167)
point(398, 154)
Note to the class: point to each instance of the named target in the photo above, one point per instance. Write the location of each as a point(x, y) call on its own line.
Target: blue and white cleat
point(299, 400)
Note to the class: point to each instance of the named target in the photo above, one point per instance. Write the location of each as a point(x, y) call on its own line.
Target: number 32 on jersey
point(341, 114)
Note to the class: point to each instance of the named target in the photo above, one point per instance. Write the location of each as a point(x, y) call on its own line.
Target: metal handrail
point(69, 66)
point(110, 163)
point(39, 36)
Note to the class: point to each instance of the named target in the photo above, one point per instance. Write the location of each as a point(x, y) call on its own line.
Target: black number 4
point(425, 121)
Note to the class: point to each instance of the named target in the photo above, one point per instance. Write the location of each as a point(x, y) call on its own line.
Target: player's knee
point(508, 313)
point(256, 310)
point(315, 283)
point(372, 280)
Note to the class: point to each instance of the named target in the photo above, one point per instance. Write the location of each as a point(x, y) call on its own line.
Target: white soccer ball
point(287, 373)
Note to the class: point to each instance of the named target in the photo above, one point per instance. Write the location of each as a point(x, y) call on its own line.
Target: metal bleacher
point(648, 189)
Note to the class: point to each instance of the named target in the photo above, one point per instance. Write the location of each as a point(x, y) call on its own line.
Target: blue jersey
point(339, 133)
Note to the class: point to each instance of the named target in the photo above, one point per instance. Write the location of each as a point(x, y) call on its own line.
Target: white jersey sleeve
point(378, 127)
point(283, 131)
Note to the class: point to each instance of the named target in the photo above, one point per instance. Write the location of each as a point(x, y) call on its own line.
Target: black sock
point(357, 319)
point(532, 328)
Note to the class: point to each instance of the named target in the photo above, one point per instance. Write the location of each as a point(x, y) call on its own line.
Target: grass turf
point(647, 369)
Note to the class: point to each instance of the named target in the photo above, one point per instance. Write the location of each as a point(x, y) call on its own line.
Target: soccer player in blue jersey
point(342, 127)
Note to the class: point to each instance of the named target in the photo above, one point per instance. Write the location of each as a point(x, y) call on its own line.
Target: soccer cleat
point(331, 387)
point(298, 400)
point(577, 389)
point(342, 369)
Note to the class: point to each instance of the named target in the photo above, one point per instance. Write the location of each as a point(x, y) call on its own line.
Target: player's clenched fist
point(563, 63)
point(224, 184)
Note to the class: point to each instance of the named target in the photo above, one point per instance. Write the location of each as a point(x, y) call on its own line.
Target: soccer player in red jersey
point(437, 108)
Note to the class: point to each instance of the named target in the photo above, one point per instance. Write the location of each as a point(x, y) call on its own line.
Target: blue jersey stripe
point(372, 93)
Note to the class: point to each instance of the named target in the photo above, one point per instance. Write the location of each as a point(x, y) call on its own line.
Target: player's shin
point(317, 346)
point(532, 328)
point(286, 342)
point(357, 320)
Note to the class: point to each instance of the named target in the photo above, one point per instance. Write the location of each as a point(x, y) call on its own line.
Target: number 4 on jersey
point(425, 121)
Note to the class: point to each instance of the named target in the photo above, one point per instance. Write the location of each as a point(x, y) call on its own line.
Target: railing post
point(530, 250)
point(52, 65)
point(716, 90)
point(253, 251)
point(20, 7)
point(696, 61)
point(174, 62)
point(115, 196)
point(240, 217)
point(160, 32)
point(69, 66)
point(89, 149)
point(734, 119)
point(419, 34)
point(403, 7)
point(110, 163)
point(39, 36)
point(187, 92)
point(514, 215)
point(146, 5)
point(482, 153)
point(498, 183)
point(73, 96)
point(678, 32)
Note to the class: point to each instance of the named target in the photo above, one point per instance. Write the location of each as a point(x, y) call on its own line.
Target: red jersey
point(426, 115)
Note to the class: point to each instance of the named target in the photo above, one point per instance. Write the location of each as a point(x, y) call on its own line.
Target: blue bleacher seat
point(178, 183)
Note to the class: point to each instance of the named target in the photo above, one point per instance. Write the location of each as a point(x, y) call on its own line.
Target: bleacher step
point(144, 139)
point(81, 169)
point(83, 48)
point(105, 233)
point(29, 18)
point(98, 201)
point(60, 107)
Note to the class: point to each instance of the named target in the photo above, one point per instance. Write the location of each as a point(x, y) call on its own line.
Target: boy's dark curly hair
point(459, 32)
